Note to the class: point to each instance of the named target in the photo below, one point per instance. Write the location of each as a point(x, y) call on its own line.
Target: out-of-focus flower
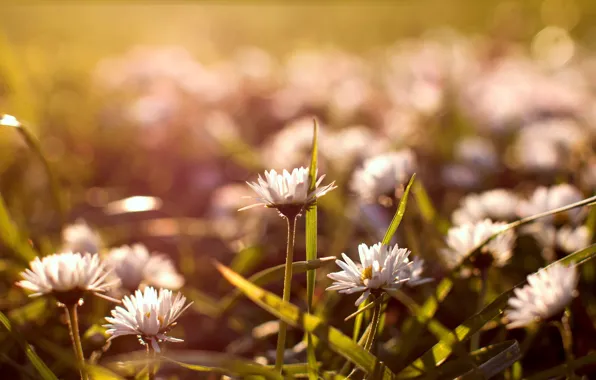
point(134, 266)
point(588, 175)
point(547, 293)
point(67, 276)
point(287, 190)
point(461, 176)
point(148, 315)
point(549, 146)
point(291, 146)
point(573, 239)
point(382, 174)
point(566, 239)
point(496, 204)
point(464, 239)
point(349, 146)
point(381, 268)
point(79, 237)
point(478, 152)
point(548, 198)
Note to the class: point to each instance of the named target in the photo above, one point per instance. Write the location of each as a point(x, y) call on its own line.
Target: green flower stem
point(150, 360)
point(374, 326)
point(73, 327)
point(281, 337)
point(475, 339)
point(567, 338)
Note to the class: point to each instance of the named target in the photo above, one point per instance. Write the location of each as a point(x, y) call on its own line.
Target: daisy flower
point(380, 268)
point(547, 293)
point(288, 192)
point(496, 204)
point(381, 175)
point(463, 240)
point(548, 198)
point(67, 276)
point(134, 265)
point(147, 314)
point(79, 237)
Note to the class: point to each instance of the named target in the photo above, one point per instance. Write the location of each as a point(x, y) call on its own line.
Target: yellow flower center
point(366, 273)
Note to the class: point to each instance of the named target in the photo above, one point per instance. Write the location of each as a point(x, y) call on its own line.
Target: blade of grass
point(427, 210)
point(33, 144)
point(199, 361)
point(292, 315)
point(399, 214)
point(12, 237)
point(39, 365)
point(441, 351)
point(562, 370)
point(269, 275)
point(311, 252)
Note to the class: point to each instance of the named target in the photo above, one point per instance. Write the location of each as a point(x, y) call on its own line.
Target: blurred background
point(184, 102)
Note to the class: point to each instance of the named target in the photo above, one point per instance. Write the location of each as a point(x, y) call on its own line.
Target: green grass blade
point(399, 214)
point(292, 315)
point(272, 274)
point(562, 370)
point(198, 361)
point(427, 210)
point(311, 252)
point(39, 365)
point(441, 351)
point(33, 144)
point(11, 235)
point(101, 373)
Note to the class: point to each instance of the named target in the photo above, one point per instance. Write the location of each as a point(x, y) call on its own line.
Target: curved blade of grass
point(292, 315)
point(272, 274)
point(12, 237)
point(39, 365)
point(486, 363)
point(414, 326)
point(399, 214)
point(562, 370)
point(35, 146)
point(441, 351)
point(311, 251)
point(101, 373)
point(427, 210)
point(200, 361)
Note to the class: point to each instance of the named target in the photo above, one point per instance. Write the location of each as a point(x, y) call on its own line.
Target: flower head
point(380, 268)
point(288, 190)
point(134, 265)
point(549, 198)
point(147, 314)
point(496, 204)
point(79, 237)
point(380, 175)
point(547, 293)
point(67, 276)
point(463, 240)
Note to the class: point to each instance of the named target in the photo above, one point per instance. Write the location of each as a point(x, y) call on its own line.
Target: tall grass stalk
point(283, 327)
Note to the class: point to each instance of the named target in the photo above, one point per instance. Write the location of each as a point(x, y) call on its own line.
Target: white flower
point(464, 239)
point(64, 273)
point(497, 204)
point(380, 175)
point(380, 268)
point(548, 198)
point(547, 293)
point(287, 189)
point(148, 315)
point(135, 266)
point(478, 152)
point(79, 237)
point(573, 239)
